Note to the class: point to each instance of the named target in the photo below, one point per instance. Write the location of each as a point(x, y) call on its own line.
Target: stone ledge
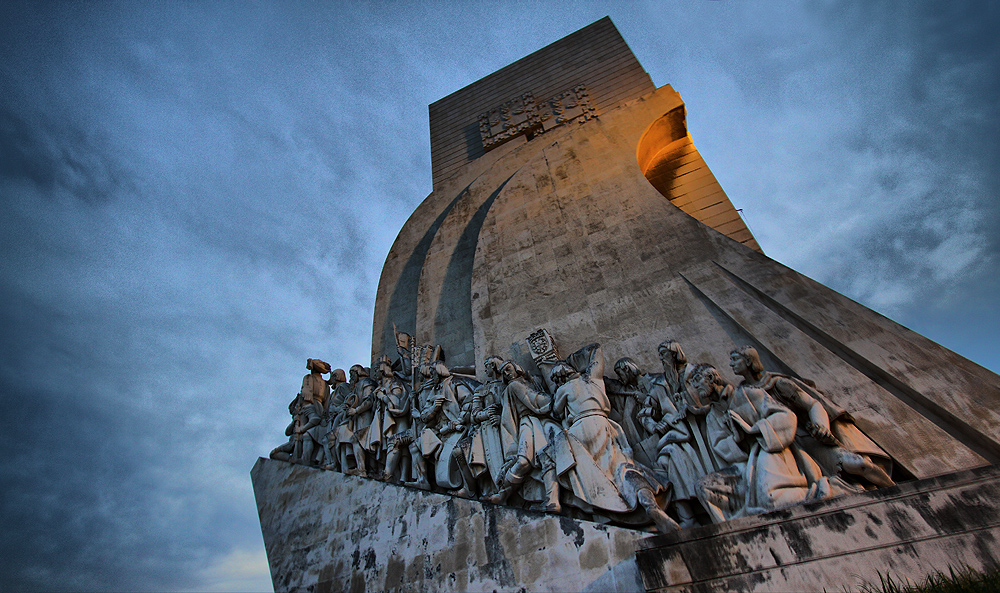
point(909, 530)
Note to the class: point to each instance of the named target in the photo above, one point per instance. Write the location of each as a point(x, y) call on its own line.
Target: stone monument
point(547, 406)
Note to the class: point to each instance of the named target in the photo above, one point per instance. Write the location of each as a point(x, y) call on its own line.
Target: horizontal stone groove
point(851, 552)
point(929, 409)
point(596, 42)
point(590, 60)
point(836, 505)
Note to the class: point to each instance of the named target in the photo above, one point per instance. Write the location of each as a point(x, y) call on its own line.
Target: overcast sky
point(196, 197)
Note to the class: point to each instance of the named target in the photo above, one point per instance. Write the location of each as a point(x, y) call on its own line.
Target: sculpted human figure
point(285, 451)
point(628, 397)
point(446, 418)
point(602, 475)
point(313, 396)
point(331, 419)
point(486, 450)
point(393, 399)
point(524, 431)
point(826, 431)
point(421, 395)
point(354, 421)
point(757, 434)
point(680, 438)
point(382, 429)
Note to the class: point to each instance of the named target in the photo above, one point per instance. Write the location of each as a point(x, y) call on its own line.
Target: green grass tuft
point(962, 580)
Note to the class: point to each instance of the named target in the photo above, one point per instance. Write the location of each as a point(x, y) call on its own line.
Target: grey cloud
point(53, 158)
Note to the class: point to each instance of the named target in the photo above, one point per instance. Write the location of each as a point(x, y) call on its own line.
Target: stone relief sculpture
point(309, 411)
point(826, 431)
point(755, 434)
point(392, 421)
point(667, 450)
point(627, 400)
point(445, 416)
point(524, 433)
point(673, 416)
point(593, 457)
point(339, 389)
point(486, 449)
point(355, 420)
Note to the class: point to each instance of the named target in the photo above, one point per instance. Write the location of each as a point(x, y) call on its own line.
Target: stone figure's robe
point(486, 449)
point(593, 458)
point(799, 397)
point(314, 395)
point(770, 469)
point(356, 427)
point(385, 424)
point(678, 447)
point(526, 430)
point(439, 439)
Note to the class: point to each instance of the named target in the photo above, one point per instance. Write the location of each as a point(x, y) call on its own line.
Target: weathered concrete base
point(908, 531)
point(326, 531)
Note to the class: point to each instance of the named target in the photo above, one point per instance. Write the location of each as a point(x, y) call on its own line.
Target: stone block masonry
point(326, 531)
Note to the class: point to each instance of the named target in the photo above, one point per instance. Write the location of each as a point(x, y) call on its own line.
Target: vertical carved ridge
point(741, 335)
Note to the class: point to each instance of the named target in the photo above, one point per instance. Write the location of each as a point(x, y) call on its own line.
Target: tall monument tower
point(568, 195)
point(570, 202)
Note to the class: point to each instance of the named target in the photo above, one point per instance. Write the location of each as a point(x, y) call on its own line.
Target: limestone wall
point(326, 531)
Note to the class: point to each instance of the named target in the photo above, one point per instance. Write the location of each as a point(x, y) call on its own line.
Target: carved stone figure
point(675, 415)
point(331, 418)
point(354, 421)
point(826, 431)
point(446, 419)
point(313, 396)
point(285, 451)
point(525, 432)
point(486, 450)
point(404, 348)
point(627, 397)
point(393, 402)
point(756, 434)
point(594, 460)
point(383, 424)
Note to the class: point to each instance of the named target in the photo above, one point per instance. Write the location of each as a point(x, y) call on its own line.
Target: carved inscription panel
point(524, 116)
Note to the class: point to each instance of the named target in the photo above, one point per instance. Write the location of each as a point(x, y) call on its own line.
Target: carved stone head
point(706, 381)
point(492, 366)
point(510, 371)
point(671, 354)
point(357, 371)
point(562, 372)
point(628, 371)
point(745, 359)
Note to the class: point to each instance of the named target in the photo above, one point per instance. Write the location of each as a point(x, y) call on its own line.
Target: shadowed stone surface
point(326, 531)
point(908, 531)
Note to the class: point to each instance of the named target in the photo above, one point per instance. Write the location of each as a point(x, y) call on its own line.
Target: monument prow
point(577, 343)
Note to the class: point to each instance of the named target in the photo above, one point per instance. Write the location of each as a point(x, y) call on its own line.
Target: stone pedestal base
point(326, 531)
point(907, 531)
